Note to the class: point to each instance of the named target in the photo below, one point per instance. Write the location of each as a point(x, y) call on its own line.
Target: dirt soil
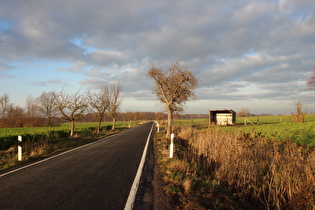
point(150, 194)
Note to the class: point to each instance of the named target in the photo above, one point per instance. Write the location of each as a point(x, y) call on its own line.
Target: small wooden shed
point(222, 117)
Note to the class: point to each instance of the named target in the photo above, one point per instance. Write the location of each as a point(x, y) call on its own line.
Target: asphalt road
point(95, 176)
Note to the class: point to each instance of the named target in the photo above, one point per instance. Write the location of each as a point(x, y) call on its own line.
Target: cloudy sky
point(255, 54)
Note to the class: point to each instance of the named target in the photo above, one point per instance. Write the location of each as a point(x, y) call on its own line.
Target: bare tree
point(173, 88)
point(100, 103)
point(15, 117)
point(71, 107)
point(32, 114)
point(46, 105)
point(32, 108)
point(5, 106)
point(311, 81)
point(115, 98)
point(244, 112)
point(298, 117)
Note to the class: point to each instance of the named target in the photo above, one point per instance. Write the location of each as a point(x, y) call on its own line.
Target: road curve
point(95, 176)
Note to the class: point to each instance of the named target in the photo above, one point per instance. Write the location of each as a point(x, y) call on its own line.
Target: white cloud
point(231, 46)
point(46, 83)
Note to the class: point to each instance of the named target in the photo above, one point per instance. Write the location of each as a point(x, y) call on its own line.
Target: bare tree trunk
point(114, 120)
point(72, 128)
point(169, 123)
point(99, 125)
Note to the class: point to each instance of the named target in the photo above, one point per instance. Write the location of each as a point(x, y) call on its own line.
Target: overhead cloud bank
point(244, 53)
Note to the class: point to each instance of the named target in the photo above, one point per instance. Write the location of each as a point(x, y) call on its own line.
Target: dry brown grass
point(31, 150)
point(273, 175)
point(44, 147)
point(36, 149)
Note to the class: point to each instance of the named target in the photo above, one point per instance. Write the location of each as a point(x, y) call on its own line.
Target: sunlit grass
point(8, 136)
point(254, 119)
point(278, 128)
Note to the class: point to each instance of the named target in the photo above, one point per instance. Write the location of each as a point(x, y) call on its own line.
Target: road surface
point(95, 176)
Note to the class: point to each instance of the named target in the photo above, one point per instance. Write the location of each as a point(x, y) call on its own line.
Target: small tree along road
point(71, 107)
point(99, 102)
point(173, 88)
point(114, 101)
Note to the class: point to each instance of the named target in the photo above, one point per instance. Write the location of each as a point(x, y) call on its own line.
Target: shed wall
point(224, 119)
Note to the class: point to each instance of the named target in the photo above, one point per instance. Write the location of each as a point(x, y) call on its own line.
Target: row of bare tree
point(67, 106)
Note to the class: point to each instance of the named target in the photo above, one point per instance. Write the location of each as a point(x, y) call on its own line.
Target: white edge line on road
point(135, 185)
point(63, 153)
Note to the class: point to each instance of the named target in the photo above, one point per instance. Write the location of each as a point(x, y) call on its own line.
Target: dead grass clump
point(184, 132)
point(211, 166)
point(31, 150)
point(187, 185)
point(37, 149)
point(178, 165)
point(276, 175)
point(8, 157)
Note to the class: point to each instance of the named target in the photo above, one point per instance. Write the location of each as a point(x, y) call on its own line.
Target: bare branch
point(5, 105)
point(173, 87)
point(99, 102)
point(311, 81)
point(71, 107)
point(47, 106)
point(115, 99)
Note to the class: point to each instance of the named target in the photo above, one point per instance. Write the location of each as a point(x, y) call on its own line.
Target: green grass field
point(273, 119)
point(301, 133)
point(253, 119)
point(8, 136)
point(279, 128)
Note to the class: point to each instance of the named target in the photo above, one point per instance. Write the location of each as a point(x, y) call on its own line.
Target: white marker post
point(20, 148)
point(158, 127)
point(172, 146)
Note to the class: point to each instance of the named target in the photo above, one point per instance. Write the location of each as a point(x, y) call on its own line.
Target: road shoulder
point(150, 194)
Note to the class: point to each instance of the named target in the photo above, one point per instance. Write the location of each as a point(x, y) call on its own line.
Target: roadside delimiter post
point(19, 148)
point(172, 146)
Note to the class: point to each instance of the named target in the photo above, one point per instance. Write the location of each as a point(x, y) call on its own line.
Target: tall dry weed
point(31, 150)
point(184, 131)
point(275, 175)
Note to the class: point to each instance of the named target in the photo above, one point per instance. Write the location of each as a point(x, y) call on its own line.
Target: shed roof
point(221, 110)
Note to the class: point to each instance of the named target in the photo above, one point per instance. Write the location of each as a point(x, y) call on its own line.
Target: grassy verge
point(213, 169)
